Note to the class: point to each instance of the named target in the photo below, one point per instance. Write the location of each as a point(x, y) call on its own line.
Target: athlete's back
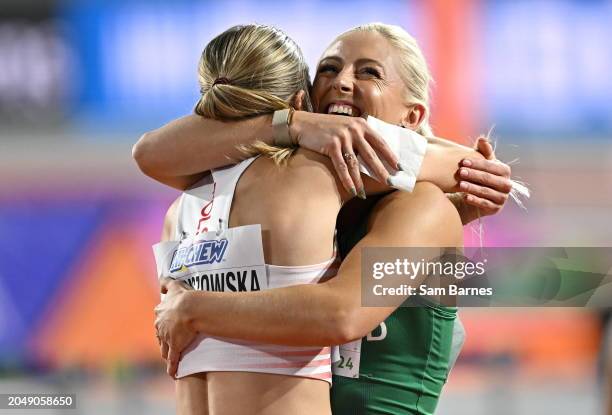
point(296, 206)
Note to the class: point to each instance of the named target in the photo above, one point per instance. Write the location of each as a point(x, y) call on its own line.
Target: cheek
point(382, 104)
point(374, 99)
point(318, 90)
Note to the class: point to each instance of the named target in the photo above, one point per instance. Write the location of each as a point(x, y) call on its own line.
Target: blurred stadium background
point(80, 81)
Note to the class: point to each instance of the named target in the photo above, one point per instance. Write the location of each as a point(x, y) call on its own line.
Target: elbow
point(142, 154)
point(346, 325)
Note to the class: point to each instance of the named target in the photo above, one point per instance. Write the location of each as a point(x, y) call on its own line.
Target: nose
point(343, 82)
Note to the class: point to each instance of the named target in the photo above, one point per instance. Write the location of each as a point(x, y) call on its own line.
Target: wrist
point(281, 122)
point(295, 127)
point(187, 310)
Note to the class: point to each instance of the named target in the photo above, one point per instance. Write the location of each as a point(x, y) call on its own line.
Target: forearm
point(304, 315)
point(178, 152)
point(441, 163)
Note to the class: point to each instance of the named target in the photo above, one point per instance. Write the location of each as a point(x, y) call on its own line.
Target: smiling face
point(359, 74)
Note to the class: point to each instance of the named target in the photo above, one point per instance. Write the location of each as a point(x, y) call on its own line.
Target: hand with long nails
point(485, 183)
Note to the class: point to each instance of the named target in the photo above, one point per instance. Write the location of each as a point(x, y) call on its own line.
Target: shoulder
point(425, 216)
point(308, 169)
point(173, 209)
point(304, 158)
point(304, 184)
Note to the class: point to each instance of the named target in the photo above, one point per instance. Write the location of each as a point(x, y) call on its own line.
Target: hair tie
point(221, 81)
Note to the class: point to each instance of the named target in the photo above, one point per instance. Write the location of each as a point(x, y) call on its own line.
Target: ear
point(414, 116)
point(298, 100)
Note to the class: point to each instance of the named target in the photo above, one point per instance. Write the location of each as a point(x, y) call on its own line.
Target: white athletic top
point(206, 208)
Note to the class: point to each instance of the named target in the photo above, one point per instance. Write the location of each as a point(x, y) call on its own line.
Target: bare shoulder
point(424, 216)
point(323, 167)
point(304, 158)
point(315, 170)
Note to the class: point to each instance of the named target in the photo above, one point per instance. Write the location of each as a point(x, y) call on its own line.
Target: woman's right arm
point(177, 153)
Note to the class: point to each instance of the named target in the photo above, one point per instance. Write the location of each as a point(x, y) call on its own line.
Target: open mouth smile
point(341, 108)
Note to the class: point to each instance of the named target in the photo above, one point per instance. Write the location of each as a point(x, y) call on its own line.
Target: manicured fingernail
point(464, 173)
point(463, 185)
point(361, 193)
point(467, 163)
point(353, 191)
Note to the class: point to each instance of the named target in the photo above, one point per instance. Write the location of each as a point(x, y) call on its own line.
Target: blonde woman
point(297, 206)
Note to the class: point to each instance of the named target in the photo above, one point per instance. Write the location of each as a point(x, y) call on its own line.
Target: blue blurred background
point(80, 81)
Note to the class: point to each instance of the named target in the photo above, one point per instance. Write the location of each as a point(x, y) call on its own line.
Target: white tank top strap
point(226, 179)
point(208, 202)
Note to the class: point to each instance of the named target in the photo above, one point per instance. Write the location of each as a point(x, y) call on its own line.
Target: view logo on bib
point(198, 253)
point(231, 260)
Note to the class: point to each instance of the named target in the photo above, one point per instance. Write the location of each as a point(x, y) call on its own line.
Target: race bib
point(230, 261)
point(349, 355)
point(348, 363)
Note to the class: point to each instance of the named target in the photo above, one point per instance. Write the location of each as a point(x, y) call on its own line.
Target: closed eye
point(371, 71)
point(327, 68)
